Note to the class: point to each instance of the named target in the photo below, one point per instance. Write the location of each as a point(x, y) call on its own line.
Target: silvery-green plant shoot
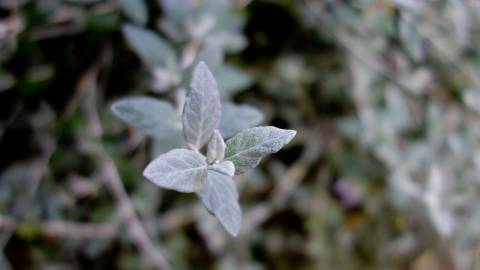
point(188, 169)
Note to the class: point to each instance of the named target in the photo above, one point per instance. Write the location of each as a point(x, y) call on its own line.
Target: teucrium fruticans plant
point(188, 170)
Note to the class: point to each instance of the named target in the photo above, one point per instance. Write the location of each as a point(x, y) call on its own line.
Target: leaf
point(151, 116)
point(136, 10)
point(248, 147)
point(220, 197)
point(225, 167)
point(180, 169)
point(216, 148)
point(236, 118)
point(150, 47)
point(201, 113)
point(232, 79)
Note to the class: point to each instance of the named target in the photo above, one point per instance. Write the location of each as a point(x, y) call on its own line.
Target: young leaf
point(151, 116)
point(220, 197)
point(136, 10)
point(180, 169)
point(150, 47)
point(225, 167)
point(236, 118)
point(247, 148)
point(201, 113)
point(215, 148)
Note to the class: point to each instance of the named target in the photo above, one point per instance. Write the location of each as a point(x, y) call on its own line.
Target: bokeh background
point(383, 173)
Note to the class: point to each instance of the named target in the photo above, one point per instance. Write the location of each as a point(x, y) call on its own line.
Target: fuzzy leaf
point(236, 118)
point(216, 148)
point(248, 147)
point(150, 47)
point(136, 10)
point(151, 116)
point(220, 197)
point(201, 113)
point(180, 169)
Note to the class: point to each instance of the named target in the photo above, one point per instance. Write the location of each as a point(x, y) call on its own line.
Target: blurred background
point(383, 173)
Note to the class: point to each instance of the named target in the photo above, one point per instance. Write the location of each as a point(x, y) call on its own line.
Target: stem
point(112, 179)
point(64, 229)
point(128, 214)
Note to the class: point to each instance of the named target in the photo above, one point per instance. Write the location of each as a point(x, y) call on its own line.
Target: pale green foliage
point(384, 172)
point(207, 26)
point(151, 48)
point(180, 169)
point(220, 197)
point(151, 116)
point(232, 79)
point(210, 20)
point(216, 148)
point(201, 112)
point(188, 170)
point(136, 10)
point(412, 120)
point(247, 148)
point(236, 118)
point(159, 119)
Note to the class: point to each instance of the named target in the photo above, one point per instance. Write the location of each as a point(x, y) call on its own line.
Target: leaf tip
point(217, 133)
point(117, 108)
point(113, 107)
point(234, 233)
point(202, 70)
point(147, 171)
point(233, 229)
point(291, 134)
point(201, 65)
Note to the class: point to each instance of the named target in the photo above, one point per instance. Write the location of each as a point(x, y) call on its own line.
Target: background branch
point(109, 174)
